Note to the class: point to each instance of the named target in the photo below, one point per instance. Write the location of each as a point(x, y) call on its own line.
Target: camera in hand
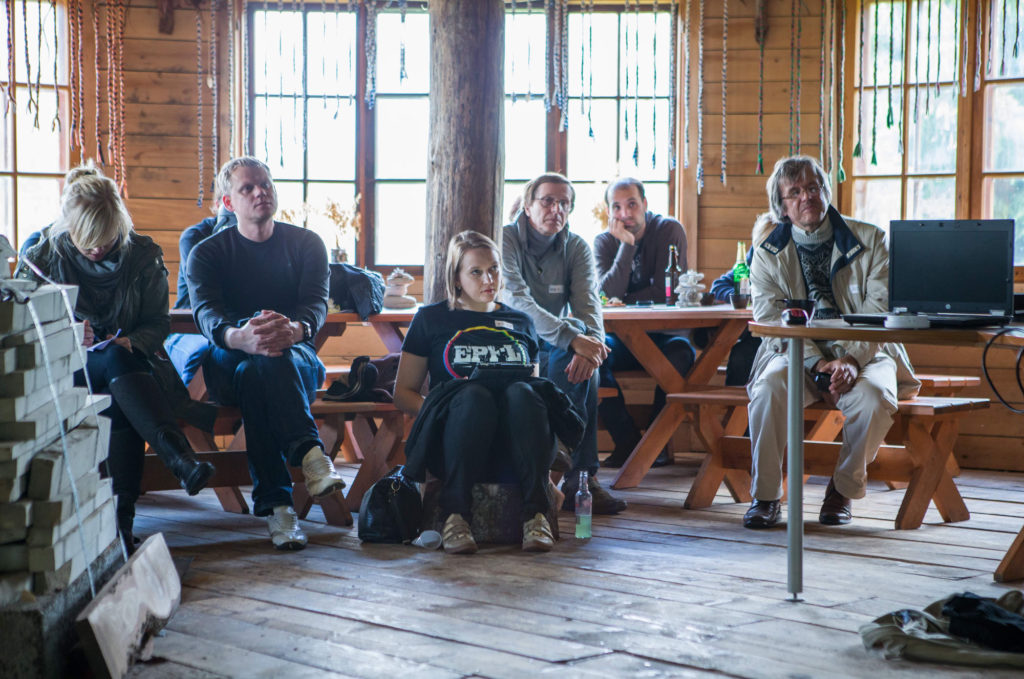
point(822, 381)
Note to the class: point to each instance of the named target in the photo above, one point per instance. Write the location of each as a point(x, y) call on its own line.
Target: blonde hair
point(458, 246)
point(224, 176)
point(93, 214)
point(86, 169)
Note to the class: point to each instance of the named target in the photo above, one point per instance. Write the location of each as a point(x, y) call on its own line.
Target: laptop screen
point(951, 266)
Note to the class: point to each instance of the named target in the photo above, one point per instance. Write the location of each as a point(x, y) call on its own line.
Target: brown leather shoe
point(603, 501)
point(836, 510)
point(762, 514)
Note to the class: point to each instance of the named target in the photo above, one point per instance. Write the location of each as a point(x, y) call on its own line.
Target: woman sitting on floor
point(122, 297)
point(477, 429)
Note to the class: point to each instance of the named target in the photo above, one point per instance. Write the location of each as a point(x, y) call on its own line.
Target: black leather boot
point(125, 519)
point(139, 397)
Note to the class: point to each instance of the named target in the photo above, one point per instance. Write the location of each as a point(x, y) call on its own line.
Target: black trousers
point(125, 457)
point(496, 434)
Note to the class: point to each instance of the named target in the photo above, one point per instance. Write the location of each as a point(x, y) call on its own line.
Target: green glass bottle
point(740, 271)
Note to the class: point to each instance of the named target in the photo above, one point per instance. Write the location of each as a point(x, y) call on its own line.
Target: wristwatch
point(307, 331)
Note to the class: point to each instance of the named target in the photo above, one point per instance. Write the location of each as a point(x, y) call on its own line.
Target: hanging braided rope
point(636, 85)
point(371, 53)
point(672, 82)
point(353, 13)
point(280, 80)
point(403, 6)
point(892, 33)
point(841, 41)
point(792, 75)
point(1016, 30)
point(654, 86)
point(122, 155)
point(96, 81)
point(266, 81)
point(625, 59)
point(917, 68)
point(590, 71)
point(231, 83)
point(725, 69)
point(245, 86)
point(563, 103)
point(760, 34)
point(991, 40)
point(323, 57)
point(199, 104)
point(700, 101)
point(799, 76)
point(927, 63)
point(549, 47)
point(10, 99)
point(686, 86)
point(979, 37)
point(821, 87)
point(111, 89)
point(32, 102)
point(39, 62)
point(529, 54)
point(874, 93)
point(938, 50)
point(1002, 51)
point(214, 94)
point(75, 75)
point(55, 124)
point(962, 74)
point(829, 155)
point(512, 62)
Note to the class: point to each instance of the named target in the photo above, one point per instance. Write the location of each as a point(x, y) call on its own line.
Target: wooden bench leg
point(1012, 565)
point(230, 497)
point(929, 444)
point(947, 497)
point(654, 439)
point(711, 473)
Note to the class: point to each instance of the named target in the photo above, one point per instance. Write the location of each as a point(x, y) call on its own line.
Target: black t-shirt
point(455, 342)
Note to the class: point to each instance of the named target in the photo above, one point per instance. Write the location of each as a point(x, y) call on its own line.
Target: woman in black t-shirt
point(490, 424)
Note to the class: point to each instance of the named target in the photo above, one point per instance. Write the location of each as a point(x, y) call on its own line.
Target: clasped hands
point(589, 353)
point(268, 333)
point(844, 373)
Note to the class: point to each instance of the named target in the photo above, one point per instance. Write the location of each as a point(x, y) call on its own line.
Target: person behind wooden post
point(187, 350)
point(807, 250)
point(122, 297)
point(549, 273)
point(488, 426)
point(631, 258)
point(259, 295)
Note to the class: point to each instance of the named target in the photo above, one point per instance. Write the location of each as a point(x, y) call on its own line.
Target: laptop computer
point(957, 273)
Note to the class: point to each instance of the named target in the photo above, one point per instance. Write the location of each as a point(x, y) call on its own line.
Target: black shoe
point(762, 514)
point(125, 518)
point(617, 458)
point(837, 509)
point(603, 501)
point(664, 459)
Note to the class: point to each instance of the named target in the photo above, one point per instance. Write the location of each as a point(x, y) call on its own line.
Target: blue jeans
point(274, 396)
point(553, 362)
point(187, 352)
point(616, 420)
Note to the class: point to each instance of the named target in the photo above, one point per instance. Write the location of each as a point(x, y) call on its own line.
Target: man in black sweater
point(259, 294)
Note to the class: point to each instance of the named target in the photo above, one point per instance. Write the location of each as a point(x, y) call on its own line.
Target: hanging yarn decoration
point(821, 86)
point(991, 40)
point(1002, 51)
point(725, 68)
point(529, 53)
point(979, 37)
point(1016, 30)
point(214, 98)
point(39, 61)
point(590, 70)
point(266, 80)
point(9, 100)
point(636, 85)
point(280, 83)
point(956, 52)
point(231, 82)
point(563, 86)
point(793, 101)
point(549, 50)
point(962, 76)
point(199, 102)
point(654, 86)
point(96, 81)
point(245, 86)
point(917, 69)
point(371, 53)
point(323, 58)
point(353, 12)
point(874, 93)
point(700, 100)
point(625, 60)
point(841, 60)
point(927, 62)
point(892, 33)
point(111, 87)
point(938, 49)
point(32, 102)
point(122, 155)
point(799, 76)
point(75, 76)
point(857, 151)
point(512, 61)
point(760, 34)
point(403, 6)
point(673, 36)
point(686, 86)
point(829, 154)
point(55, 124)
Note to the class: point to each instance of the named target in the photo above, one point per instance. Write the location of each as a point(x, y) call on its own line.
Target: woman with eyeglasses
point(122, 297)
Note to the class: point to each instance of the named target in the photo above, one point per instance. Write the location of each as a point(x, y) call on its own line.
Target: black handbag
point(391, 511)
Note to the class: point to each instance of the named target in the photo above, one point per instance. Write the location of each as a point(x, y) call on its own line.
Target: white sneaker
point(321, 476)
point(537, 536)
point(284, 528)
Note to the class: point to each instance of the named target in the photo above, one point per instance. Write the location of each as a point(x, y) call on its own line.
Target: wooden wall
point(162, 166)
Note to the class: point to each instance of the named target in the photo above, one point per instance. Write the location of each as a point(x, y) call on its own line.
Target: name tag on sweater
point(556, 289)
point(504, 324)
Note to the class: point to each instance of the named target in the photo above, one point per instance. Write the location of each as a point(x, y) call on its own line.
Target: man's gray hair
point(224, 176)
point(790, 169)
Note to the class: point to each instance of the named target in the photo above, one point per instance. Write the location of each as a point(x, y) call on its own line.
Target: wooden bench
point(916, 452)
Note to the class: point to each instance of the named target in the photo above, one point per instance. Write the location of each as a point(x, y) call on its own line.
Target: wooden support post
point(465, 175)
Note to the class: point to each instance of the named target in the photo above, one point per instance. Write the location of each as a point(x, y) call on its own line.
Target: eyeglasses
point(548, 202)
point(812, 191)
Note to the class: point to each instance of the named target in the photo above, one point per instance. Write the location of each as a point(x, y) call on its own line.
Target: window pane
point(1004, 132)
point(332, 52)
point(637, 54)
point(513, 191)
point(931, 60)
point(278, 36)
point(39, 53)
point(6, 134)
point(931, 198)
point(595, 38)
point(886, 145)
point(877, 201)
point(642, 126)
point(884, 37)
point(401, 223)
point(38, 203)
point(320, 197)
point(1003, 198)
point(931, 138)
point(39, 149)
point(415, 34)
point(593, 158)
point(402, 130)
point(289, 199)
point(332, 139)
point(1009, 16)
point(7, 210)
point(524, 53)
point(278, 138)
point(589, 198)
point(525, 128)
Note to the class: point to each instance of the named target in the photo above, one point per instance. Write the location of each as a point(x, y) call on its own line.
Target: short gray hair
point(790, 169)
point(224, 176)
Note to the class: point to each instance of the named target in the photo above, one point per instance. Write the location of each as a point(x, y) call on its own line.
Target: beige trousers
point(868, 409)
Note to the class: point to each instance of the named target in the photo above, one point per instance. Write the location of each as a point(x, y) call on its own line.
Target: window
point(33, 155)
point(310, 120)
point(917, 163)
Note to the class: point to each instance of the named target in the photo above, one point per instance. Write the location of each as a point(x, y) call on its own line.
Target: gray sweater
point(615, 260)
point(545, 288)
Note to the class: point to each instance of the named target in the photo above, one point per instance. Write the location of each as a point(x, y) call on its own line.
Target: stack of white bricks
point(44, 543)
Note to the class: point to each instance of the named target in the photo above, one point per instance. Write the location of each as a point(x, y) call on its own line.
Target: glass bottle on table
point(672, 273)
point(740, 271)
point(584, 508)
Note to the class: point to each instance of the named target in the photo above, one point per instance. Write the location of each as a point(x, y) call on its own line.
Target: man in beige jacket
point(805, 249)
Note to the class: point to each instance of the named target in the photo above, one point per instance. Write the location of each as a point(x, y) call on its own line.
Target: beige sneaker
point(456, 537)
point(321, 476)
point(284, 528)
point(537, 535)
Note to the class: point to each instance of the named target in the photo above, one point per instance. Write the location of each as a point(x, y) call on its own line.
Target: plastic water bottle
point(584, 509)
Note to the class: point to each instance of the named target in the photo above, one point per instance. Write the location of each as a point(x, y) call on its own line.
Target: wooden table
point(632, 325)
point(1012, 565)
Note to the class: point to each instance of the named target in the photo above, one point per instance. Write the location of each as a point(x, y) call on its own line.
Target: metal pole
point(795, 468)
